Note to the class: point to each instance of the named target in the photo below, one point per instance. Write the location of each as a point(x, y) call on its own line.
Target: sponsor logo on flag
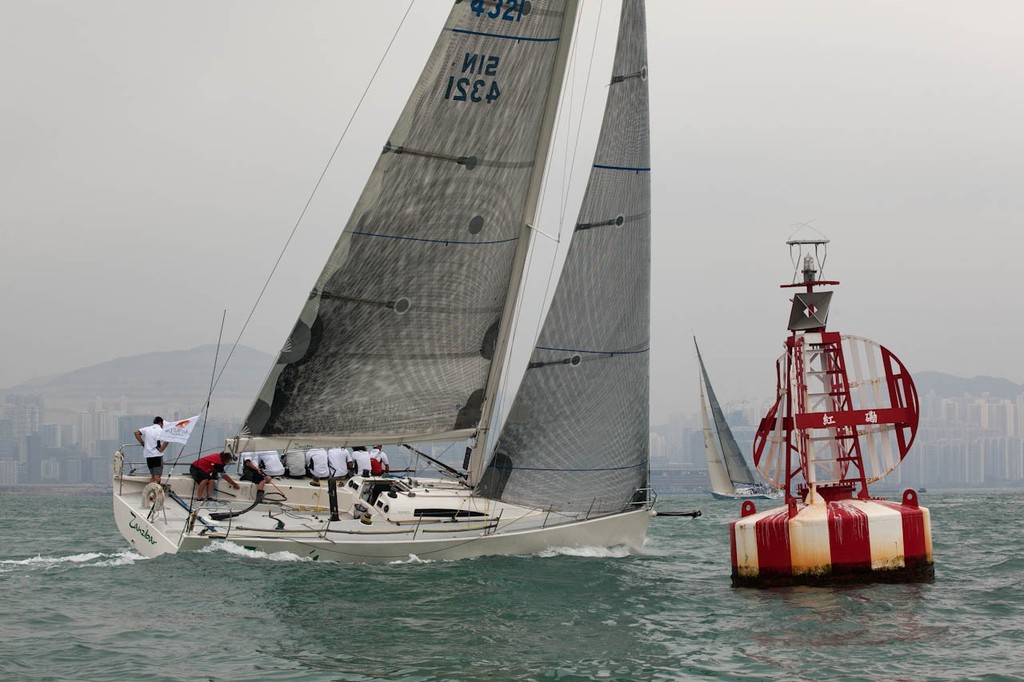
point(179, 431)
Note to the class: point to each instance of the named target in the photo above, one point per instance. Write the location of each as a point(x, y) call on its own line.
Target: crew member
point(205, 471)
point(153, 448)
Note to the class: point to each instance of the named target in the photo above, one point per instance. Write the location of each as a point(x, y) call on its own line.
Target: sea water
point(77, 604)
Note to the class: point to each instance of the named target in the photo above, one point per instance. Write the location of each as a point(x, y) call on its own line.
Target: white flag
point(179, 431)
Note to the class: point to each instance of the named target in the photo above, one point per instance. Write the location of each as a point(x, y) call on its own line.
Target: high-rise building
point(8, 473)
point(23, 413)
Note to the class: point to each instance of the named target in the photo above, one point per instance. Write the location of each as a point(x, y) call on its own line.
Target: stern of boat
point(141, 534)
point(148, 533)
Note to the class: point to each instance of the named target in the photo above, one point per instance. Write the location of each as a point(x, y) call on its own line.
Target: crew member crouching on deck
point(205, 471)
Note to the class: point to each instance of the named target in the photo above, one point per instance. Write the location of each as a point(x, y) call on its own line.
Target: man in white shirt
point(251, 472)
point(271, 463)
point(153, 449)
point(316, 463)
point(337, 461)
point(362, 459)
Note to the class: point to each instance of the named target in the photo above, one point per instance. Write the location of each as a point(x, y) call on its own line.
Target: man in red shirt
point(205, 471)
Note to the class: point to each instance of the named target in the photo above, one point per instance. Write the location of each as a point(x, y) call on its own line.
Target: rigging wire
point(316, 187)
point(213, 371)
point(579, 128)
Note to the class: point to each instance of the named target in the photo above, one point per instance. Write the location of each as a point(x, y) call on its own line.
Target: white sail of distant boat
point(731, 478)
point(405, 336)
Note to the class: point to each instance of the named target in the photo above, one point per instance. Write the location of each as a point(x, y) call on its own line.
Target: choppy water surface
point(77, 604)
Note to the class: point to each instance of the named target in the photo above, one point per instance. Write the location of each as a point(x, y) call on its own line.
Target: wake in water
point(88, 559)
point(229, 548)
point(588, 552)
point(288, 557)
point(413, 559)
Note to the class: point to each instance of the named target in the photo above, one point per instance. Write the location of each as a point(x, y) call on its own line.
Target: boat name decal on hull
point(134, 525)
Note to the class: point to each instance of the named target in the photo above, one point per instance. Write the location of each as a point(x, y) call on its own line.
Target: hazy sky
point(154, 158)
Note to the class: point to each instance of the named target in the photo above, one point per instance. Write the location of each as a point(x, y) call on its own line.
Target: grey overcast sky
point(155, 157)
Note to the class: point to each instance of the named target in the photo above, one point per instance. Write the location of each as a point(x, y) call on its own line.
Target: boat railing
point(494, 527)
point(596, 507)
point(170, 467)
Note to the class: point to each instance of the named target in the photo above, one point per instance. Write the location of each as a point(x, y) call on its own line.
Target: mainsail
point(397, 338)
point(577, 432)
point(736, 469)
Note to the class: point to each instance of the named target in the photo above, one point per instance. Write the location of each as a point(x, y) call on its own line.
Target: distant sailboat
point(731, 478)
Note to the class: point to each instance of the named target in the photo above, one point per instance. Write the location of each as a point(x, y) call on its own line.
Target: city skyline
point(963, 441)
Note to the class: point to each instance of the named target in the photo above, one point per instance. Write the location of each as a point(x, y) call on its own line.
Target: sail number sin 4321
point(505, 10)
point(469, 88)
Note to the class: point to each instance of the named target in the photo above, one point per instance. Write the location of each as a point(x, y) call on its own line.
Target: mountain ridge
point(179, 380)
point(951, 386)
point(160, 381)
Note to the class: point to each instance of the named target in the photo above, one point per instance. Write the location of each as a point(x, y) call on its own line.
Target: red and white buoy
point(846, 415)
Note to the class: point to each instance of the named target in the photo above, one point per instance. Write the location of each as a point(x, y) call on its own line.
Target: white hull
point(301, 525)
point(739, 495)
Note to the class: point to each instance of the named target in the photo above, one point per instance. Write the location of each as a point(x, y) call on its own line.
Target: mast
point(502, 345)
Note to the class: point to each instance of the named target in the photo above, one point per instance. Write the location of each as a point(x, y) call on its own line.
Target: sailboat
point(731, 478)
point(407, 335)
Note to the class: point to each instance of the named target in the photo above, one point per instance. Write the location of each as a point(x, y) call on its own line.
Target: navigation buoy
point(845, 415)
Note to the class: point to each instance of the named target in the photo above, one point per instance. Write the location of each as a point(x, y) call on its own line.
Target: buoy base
point(923, 573)
point(829, 542)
